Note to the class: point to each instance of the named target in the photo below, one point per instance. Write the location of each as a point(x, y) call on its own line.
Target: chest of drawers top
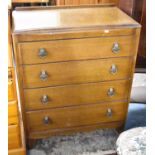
point(75, 19)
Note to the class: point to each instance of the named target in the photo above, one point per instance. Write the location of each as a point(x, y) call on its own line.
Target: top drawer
point(76, 49)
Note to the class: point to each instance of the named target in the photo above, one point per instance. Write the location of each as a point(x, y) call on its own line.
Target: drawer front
point(11, 90)
point(75, 116)
point(75, 72)
point(12, 108)
point(71, 130)
point(76, 49)
point(12, 113)
point(11, 85)
point(13, 137)
point(68, 95)
point(13, 120)
point(19, 151)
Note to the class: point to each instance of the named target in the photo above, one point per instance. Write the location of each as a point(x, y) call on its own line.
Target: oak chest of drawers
point(16, 140)
point(75, 67)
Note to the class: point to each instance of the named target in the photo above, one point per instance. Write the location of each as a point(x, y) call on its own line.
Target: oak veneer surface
point(70, 17)
point(16, 140)
point(12, 108)
point(18, 151)
point(13, 137)
point(73, 72)
point(11, 93)
point(10, 59)
point(75, 94)
point(83, 79)
point(75, 116)
point(71, 130)
point(75, 49)
point(12, 113)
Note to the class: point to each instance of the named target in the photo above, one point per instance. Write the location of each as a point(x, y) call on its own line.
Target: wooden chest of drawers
point(75, 67)
point(16, 140)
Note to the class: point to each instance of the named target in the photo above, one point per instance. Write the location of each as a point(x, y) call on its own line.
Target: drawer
point(13, 137)
point(12, 108)
point(75, 72)
point(68, 95)
point(76, 49)
point(11, 90)
point(71, 130)
point(18, 151)
point(13, 120)
point(12, 113)
point(21, 149)
point(11, 85)
point(75, 116)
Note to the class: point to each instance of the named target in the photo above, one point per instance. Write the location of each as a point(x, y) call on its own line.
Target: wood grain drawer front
point(52, 74)
point(13, 120)
point(18, 151)
point(61, 96)
point(13, 137)
point(75, 116)
point(75, 49)
point(12, 113)
point(11, 90)
point(12, 108)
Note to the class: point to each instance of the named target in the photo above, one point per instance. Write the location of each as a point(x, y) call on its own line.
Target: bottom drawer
point(13, 137)
point(71, 130)
point(76, 116)
point(19, 151)
point(14, 150)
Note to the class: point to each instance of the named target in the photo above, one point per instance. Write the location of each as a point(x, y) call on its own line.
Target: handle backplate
point(42, 53)
point(116, 48)
point(43, 75)
point(46, 120)
point(44, 99)
point(109, 112)
point(111, 92)
point(113, 69)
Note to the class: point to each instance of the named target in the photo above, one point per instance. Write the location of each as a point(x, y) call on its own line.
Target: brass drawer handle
point(115, 48)
point(109, 112)
point(111, 92)
point(42, 53)
point(46, 120)
point(43, 75)
point(113, 69)
point(44, 99)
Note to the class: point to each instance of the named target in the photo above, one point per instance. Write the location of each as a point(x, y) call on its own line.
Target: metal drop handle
point(109, 112)
point(42, 53)
point(111, 92)
point(43, 75)
point(113, 69)
point(115, 48)
point(44, 99)
point(46, 120)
